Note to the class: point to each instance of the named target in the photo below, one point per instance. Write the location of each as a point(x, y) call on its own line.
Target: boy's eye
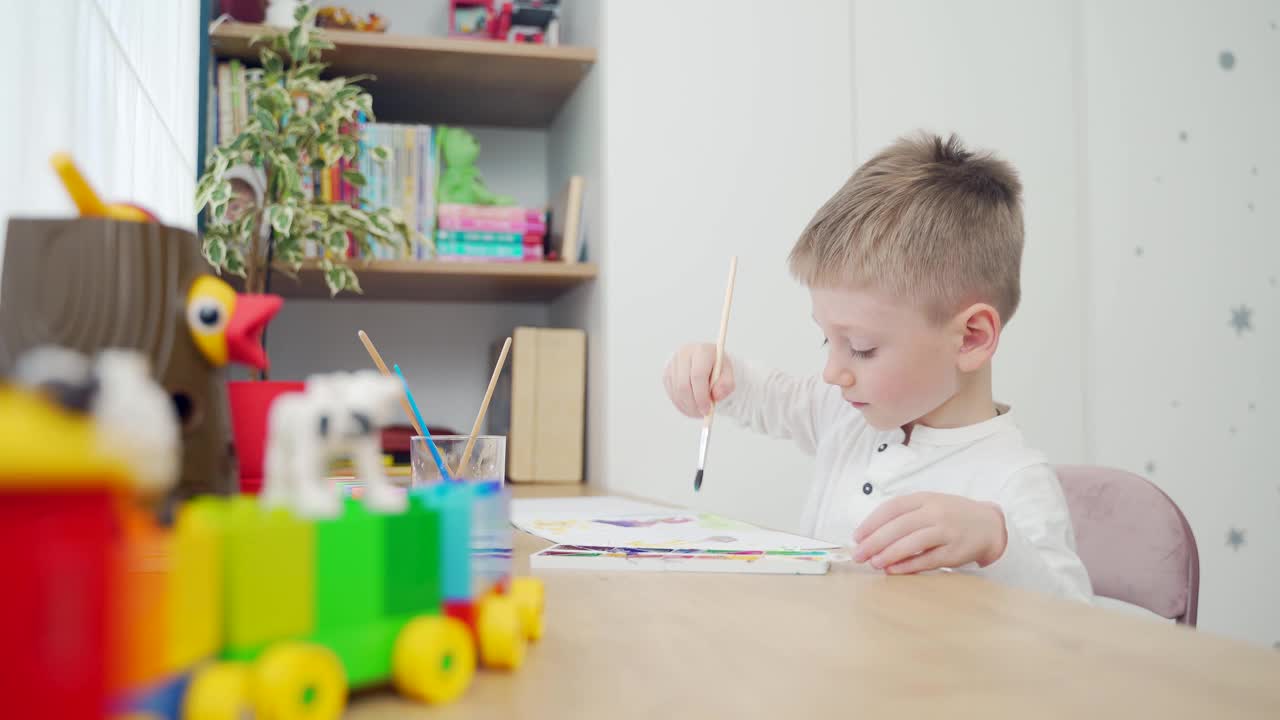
point(862, 354)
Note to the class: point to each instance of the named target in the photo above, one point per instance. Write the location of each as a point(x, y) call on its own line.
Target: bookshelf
point(444, 281)
point(439, 80)
point(442, 80)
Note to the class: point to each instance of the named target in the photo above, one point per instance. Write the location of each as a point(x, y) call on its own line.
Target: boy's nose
point(833, 374)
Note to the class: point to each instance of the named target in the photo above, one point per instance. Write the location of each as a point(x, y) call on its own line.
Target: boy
point(913, 270)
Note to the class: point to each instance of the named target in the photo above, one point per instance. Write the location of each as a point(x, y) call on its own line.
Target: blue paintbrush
point(435, 452)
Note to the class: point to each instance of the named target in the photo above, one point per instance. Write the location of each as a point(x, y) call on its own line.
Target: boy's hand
point(926, 531)
point(688, 379)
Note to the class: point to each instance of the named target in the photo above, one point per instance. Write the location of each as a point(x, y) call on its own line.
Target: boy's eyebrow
point(838, 326)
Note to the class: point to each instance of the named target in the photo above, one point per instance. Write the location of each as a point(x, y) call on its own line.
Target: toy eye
point(206, 315)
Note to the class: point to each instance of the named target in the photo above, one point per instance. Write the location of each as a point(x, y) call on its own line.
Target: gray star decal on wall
point(1182, 136)
point(1150, 467)
point(1242, 319)
point(1235, 538)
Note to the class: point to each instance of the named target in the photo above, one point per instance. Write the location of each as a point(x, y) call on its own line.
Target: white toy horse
point(338, 415)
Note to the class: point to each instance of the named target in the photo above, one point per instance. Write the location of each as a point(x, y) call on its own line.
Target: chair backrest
point(1133, 540)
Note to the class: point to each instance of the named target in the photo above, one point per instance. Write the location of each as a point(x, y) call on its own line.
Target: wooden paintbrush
point(484, 407)
point(382, 367)
point(715, 374)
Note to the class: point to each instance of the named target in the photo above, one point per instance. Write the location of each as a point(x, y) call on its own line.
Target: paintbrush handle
point(484, 407)
point(382, 367)
point(724, 330)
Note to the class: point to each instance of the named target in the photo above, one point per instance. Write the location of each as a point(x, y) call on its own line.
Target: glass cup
point(487, 464)
point(483, 480)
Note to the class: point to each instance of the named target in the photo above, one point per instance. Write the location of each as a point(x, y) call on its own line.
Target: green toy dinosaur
point(461, 182)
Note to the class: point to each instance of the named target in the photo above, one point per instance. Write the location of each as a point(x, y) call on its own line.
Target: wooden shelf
point(445, 281)
point(442, 80)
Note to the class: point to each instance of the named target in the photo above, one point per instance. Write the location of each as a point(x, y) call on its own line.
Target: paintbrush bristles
point(484, 407)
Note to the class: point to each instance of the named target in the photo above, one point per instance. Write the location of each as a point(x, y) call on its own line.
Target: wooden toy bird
point(90, 284)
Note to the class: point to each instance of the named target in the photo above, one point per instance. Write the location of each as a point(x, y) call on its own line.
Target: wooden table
point(851, 644)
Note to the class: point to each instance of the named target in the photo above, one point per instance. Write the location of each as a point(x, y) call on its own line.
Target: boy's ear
point(979, 328)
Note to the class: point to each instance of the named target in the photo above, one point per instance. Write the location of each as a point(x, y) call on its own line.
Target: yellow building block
point(195, 583)
point(43, 445)
point(269, 575)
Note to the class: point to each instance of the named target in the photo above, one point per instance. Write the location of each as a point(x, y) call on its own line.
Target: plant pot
point(280, 13)
point(250, 407)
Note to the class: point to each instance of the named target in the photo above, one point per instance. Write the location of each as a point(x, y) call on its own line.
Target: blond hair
point(925, 220)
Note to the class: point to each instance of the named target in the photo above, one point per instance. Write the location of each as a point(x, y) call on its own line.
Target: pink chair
point(1133, 540)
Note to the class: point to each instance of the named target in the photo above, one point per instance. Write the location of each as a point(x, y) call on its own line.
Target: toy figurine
point(461, 182)
point(339, 415)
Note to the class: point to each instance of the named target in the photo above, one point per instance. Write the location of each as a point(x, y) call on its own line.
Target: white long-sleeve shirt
point(859, 467)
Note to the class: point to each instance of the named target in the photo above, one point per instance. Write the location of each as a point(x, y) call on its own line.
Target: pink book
point(485, 212)
point(454, 222)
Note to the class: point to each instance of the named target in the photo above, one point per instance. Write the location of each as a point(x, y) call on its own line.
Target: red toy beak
point(244, 329)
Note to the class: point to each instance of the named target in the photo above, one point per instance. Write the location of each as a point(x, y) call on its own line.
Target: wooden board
point(445, 281)
point(443, 80)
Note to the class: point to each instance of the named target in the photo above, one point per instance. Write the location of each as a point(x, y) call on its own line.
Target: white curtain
point(114, 83)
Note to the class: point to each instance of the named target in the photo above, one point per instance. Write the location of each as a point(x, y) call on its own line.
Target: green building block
point(270, 577)
point(365, 650)
point(413, 563)
point(350, 568)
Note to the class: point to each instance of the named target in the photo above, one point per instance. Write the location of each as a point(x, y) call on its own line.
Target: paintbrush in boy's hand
point(715, 374)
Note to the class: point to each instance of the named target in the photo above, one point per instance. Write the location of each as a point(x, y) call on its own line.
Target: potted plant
point(258, 215)
point(296, 125)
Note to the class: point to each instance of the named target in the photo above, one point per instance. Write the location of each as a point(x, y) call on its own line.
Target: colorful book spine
point(479, 249)
point(443, 235)
point(489, 212)
point(455, 222)
point(461, 251)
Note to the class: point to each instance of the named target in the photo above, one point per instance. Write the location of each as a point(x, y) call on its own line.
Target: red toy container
point(250, 402)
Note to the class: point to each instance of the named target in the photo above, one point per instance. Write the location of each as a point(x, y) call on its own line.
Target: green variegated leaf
point(281, 218)
point(271, 60)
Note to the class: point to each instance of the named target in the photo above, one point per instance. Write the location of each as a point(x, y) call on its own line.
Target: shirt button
point(883, 447)
point(866, 488)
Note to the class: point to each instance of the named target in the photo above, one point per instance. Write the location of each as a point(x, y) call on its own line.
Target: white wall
point(1000, 73)
point(443, 348)
point(114, 84)
point(714, 146)
point(1181, 231)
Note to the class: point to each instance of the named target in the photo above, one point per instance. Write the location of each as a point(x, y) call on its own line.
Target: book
point(565, 226)
point(226, 122)
point(574, 557)
point(487, 212)
point(476, 236)
point(513, 251)
point(544, 395)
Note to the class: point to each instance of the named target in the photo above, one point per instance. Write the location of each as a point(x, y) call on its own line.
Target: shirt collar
point(961, 435)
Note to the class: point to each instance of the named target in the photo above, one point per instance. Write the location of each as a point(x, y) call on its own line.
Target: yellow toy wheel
point(528, 594)
point(296, 681)
point(433, 659)
point(219, 691)
point(502, 643)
